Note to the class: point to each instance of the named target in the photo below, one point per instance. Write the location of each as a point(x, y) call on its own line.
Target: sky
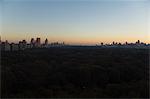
point(75, 21)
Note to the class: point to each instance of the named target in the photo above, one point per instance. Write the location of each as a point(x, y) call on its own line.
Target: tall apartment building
point(32, 43)
point(38, 42)
point(46, 43)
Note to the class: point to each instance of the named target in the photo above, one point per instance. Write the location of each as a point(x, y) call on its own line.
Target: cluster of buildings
point(137, 44)
point(22, 45)
point(36, 43)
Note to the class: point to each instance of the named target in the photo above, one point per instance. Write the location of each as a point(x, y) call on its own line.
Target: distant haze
point(75, 21)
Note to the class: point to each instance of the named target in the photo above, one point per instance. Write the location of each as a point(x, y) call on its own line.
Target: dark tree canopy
point(75, 72)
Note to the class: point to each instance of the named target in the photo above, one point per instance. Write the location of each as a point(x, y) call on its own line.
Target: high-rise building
point(113, 43)
point(38, 42)
point(32, 43)
point(46, 41)
point(138, 41)
point(6, 46)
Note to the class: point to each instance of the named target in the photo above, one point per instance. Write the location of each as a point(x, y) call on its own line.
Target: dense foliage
point(75, 72)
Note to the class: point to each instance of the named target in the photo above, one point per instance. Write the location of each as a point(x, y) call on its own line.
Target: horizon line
point(75, 43)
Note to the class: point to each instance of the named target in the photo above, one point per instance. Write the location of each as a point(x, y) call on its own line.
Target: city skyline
point(46, 41)
point(76, 22)
point(36, 43)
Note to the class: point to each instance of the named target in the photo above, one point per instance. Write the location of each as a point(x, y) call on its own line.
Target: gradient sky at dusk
point(76, 21)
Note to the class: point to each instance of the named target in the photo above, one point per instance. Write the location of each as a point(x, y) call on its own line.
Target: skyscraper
point(138, 41)
point(38, 42)
point(46, 41)
point(113, 43)
point(32, 43)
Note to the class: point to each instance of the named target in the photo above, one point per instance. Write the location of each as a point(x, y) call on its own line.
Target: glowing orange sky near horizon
point(76, 40)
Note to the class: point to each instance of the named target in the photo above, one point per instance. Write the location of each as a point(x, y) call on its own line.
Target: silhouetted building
point(22, 45)
point(5, 46)
point(138, 42)
point(38, 42)
point(119, 44)
point(32, 43)
point(113, 43)
point(46, 41)
point(57, 44)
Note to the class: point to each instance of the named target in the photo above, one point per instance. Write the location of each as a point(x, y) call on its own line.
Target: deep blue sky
point(75, 21)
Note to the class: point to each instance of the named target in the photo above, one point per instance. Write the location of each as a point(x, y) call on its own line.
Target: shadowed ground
point(75, 72)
